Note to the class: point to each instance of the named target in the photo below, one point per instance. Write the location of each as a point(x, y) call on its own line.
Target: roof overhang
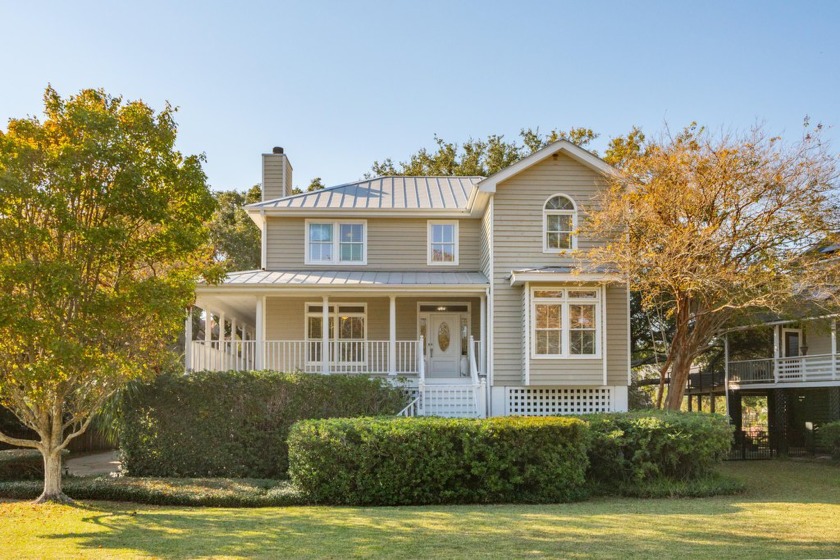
point(520, 278)
point(562, 146)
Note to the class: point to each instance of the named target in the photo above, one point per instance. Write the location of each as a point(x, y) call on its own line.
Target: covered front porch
point(796, 353)
point(435, 332)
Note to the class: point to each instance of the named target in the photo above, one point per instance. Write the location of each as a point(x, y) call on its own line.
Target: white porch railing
point(802, 369)
point(346, 356)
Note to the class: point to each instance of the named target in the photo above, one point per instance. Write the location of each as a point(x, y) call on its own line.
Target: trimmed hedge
point(234, 424)
point(395, 461)
point(829, 438)
point(215, 492)
point(634, 447)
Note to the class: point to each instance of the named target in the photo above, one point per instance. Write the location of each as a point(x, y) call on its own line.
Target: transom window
point(565, 323)
point(559, 224)
point(443, 242)
point(336, 242)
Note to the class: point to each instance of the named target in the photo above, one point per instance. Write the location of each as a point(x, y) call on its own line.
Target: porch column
point(834, 373)
point(188, 335)
point(325, 336)
point(482, 357)
point(725, 373)
point(259, 334)
point(392, 339)
point(777, 351)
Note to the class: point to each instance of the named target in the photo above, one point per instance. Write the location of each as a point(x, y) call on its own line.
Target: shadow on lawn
point(618, 528)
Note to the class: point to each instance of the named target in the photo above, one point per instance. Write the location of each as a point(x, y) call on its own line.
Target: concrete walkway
point(107, 462)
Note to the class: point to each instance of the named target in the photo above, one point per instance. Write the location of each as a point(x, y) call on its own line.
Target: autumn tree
point(478, 157)
point(235, 237)
point(709, 228)
point(102, 238)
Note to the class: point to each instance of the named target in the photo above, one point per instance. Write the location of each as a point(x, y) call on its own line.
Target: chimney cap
point(277, 150)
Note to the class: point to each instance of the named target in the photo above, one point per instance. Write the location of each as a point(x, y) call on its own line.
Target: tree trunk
point(680, 368)
point(52, 478)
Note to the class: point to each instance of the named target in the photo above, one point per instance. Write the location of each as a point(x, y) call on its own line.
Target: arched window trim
point(551, 212)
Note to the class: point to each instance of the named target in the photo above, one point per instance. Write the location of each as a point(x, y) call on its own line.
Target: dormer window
point(336, 242)
point(559, 224)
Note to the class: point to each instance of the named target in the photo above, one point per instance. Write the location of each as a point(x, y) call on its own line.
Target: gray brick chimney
point(276, 175)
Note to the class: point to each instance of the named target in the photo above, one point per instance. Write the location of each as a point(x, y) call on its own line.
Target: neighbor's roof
point(385, 193)
point(355, 278)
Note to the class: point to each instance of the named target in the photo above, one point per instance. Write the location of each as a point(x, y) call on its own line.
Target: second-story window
point(336, 242)
point(442, 242)
point(559, 224)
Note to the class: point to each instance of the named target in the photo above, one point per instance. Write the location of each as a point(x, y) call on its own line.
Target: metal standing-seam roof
point(261, 278)
point(385, 193)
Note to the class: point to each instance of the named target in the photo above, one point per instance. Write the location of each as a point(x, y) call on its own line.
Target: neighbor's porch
point(804, 354)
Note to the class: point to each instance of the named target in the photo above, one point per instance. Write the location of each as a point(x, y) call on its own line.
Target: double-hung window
point(565, 323)
point(336, 242)
point(559, 224)
point(442, 241)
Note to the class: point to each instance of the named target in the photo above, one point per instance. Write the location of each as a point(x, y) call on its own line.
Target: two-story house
point(464, 290)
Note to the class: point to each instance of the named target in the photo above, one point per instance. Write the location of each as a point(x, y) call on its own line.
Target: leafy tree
point(315, 185)
point(102, 237)
point(711, 228)
point(481, 157)
point(235, 237)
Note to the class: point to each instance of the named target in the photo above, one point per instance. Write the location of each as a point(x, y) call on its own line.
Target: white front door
point(444, 345)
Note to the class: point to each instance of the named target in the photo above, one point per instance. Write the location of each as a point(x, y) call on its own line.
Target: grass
point(790, 509)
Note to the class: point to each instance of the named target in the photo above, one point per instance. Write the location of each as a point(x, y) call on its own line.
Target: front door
point(444, 345)
point(791, 342)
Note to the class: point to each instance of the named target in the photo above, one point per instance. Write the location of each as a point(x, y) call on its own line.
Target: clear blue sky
point(341, 84)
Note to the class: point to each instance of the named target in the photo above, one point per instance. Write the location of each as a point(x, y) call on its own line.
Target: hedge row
point(829, 438)
point(235, 424)
point(216, 492)
point(391, 461)
point(634, 447)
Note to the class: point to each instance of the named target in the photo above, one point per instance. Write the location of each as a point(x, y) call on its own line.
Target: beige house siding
point(818, 336)
point(393, 244)
point(277, 176)
point(517, 244)
point(285, 316)
point(485, 235)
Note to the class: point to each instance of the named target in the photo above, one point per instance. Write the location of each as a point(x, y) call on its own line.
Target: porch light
point(441, 308)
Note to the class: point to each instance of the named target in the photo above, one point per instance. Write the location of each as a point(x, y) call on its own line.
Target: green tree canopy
point(102, 237)
point(235, 237)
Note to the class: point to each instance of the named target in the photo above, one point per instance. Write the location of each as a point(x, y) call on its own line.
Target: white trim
point(565, 322)
point(336, 242)
point(526, 301)
point(259, 335)
point(491, 294)
point(629, 341)
point(392, 334)
point(572, 234)
point(264, 244)
point(456, 239)
point(783, 346)
point(605, 353)
point(575, 152)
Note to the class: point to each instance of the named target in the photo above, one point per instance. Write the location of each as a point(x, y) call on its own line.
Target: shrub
point(634, 447)
point(829, 438)
point(22, 464)
point(234, 424)
point(215, 492)
point(391, 461)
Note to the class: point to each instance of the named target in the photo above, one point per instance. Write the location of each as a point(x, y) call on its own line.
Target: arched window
point(559, 223)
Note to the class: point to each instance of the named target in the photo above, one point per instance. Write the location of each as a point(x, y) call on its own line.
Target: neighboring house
point(462, 289)
point(791, 366)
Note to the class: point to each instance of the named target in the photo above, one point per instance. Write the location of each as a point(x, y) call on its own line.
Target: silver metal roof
point(259, 278)
point(385, 193)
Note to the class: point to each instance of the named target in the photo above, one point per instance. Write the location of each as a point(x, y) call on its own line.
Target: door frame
point(461, 315)
point(783, 348)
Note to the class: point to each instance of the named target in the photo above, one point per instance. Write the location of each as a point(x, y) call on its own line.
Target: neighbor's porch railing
point(801, 369)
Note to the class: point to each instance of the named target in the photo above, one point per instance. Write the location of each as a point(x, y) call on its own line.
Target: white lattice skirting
point(550, 401)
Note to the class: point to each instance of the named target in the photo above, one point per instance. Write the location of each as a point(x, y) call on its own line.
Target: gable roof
point(574, 151)
point(383, 193)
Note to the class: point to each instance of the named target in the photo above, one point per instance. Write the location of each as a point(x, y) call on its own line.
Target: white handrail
point(473, 365)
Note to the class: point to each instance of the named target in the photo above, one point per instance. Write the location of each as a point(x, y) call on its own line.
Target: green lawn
point(791, 510)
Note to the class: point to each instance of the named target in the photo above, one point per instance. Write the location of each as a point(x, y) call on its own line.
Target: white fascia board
point(270, 289)
point(520, 279)
point(572, 150)
point(368, 213)
point(779, 322)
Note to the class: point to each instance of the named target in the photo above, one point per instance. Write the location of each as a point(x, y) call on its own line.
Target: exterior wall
point(818, 337)
point(392, 244)
point(517, 244)
point(285, 316)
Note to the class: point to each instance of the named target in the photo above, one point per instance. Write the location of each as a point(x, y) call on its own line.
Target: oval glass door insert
point(444, 336)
